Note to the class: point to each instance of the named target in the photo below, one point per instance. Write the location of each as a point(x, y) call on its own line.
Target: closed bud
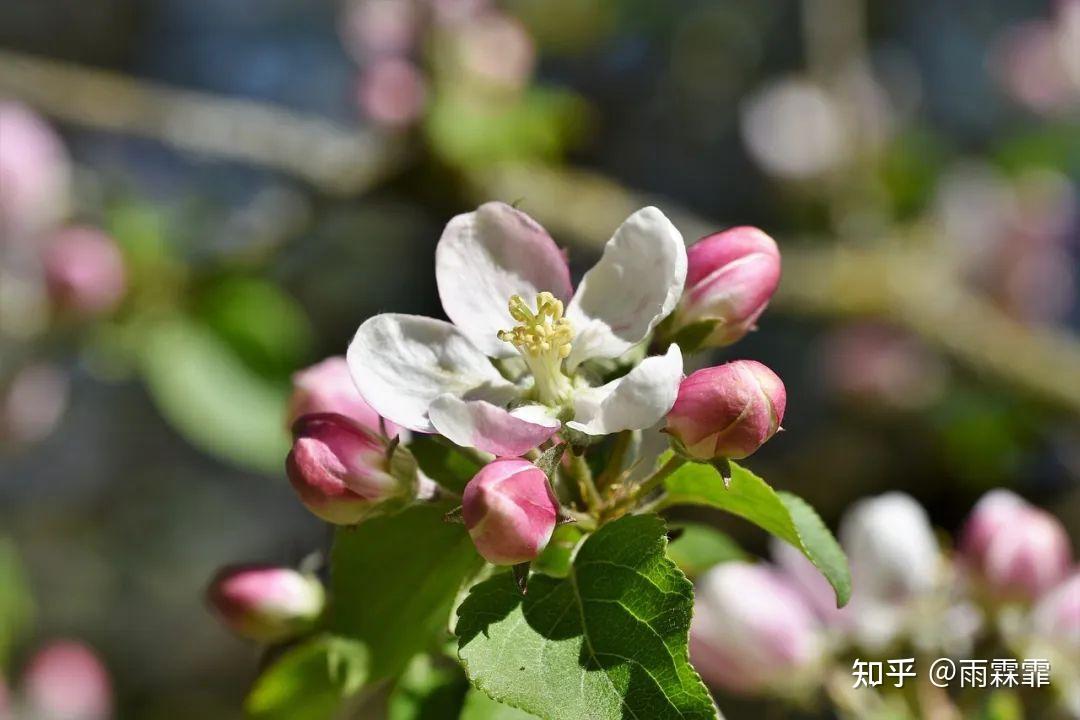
point(327, 387)
point(341, 470)
point(752, 631)
point(730, 277)
point(728, 411)
point(266, 603)
point(67, 681)
point(1027, 553)
point(994, 511)
point(891, 548)
point(510, 511)
point(84, 272)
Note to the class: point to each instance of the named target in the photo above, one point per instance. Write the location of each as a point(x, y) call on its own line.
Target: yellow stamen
point(543, 338)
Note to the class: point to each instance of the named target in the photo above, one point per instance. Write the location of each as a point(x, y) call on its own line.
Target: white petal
point(483, 258)
point(488, 427)
point(633, 402)
point(401, 363)
point(635, 285)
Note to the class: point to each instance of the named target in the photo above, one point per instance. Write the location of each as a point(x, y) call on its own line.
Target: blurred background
point(200, 197)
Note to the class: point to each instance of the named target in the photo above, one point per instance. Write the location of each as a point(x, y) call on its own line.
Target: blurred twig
point(337, 159)
point(910, 288)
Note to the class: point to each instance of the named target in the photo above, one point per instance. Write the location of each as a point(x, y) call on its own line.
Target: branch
point(914, 290)
point(337, 159)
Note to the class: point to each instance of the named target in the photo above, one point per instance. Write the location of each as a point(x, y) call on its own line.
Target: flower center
point(543, 338)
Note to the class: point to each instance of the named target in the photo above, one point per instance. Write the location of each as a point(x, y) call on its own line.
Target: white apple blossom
point(505, 286)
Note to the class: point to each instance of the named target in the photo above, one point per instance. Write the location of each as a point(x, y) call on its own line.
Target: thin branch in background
point(909, 288)
point(337, 159)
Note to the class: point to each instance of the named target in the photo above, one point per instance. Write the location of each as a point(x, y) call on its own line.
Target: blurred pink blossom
point(392, 92)
point(1056, 617)
point(33, 403)
point(497, 49)
point(376, 28)
point(84, 271)
point(751, 630)
point(67, 681)
point(881, 365)
point(1038, 61)
point(35, 173)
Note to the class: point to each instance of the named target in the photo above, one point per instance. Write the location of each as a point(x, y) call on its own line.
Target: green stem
point(580, 471)
point(657, 478)
point(616, 459)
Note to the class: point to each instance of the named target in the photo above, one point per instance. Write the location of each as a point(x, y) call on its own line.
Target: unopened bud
point(730, 277)
point(341, 470)
point(1018, 550)
point(891, 548)
point(752, 631)
point(266, 603)
point(991, 513)
point(728, 411)
point(84, 271)
point(327, 387)
point(67, 681)
point(510, 511)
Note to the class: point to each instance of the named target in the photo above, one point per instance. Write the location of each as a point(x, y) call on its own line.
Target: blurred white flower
point(793, 129)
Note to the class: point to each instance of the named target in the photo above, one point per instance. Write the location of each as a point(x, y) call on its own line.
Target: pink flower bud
point(497, 49)
point(67, 681)
point(751, 630)
point(730, 278)
point(1056, 617)
point(994, 511)
point(374, 28)
point(728, 411)
point(339, 469)
point(327, 387)
point(84, 271)
point(1027, 555)
point(392, 93)
point(266, 603)
point(510, 511)
point(34, 174)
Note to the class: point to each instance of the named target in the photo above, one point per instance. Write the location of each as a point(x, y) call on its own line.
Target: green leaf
point(1003, 705)
point(607, 642)
point(16, 601)
point(479, 706)
point(700, 547)
point(451, 467)
point(394, 580)
point(265, 326)
point(310, 681)
point(784, 515)
point(428, 690)
point(212, 398)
